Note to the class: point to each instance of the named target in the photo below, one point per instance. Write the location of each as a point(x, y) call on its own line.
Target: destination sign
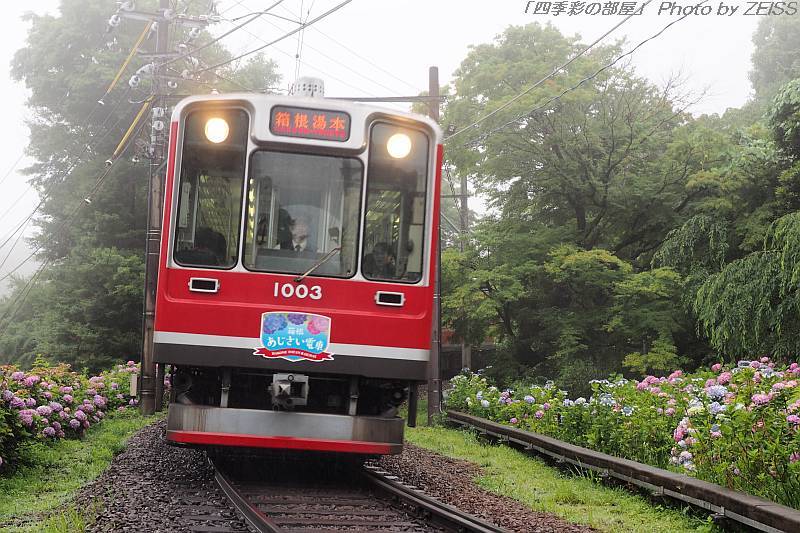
point(310, 123)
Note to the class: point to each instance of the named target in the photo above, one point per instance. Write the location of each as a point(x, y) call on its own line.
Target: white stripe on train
point(354, 350)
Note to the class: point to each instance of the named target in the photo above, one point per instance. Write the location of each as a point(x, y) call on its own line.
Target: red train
point(295, 284)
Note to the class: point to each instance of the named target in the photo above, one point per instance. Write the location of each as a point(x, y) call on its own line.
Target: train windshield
point(394, 232)
point(210, 191)
point(300, 208)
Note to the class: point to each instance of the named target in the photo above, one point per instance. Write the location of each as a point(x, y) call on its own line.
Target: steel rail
point(252, 514)
point(746, 509)
point(445, 515)
point(429, 510)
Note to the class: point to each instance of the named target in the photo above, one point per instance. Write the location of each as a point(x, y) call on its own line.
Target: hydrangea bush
point(738, 427)
point(53, 402)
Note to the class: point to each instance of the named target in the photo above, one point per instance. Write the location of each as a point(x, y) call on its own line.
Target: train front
point(295, 282)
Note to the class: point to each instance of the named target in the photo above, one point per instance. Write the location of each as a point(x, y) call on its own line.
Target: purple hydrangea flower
point(17, 403)
point(793, 419)
point(18, 376)
point(795, 457)
point(485, 403)
point(761, 399)
point(99, 401)
point(7, 395)
point(65, 390)
point(74, 423)
point(80, 415)
point(716, 392)
point(538, 414)
point(296, 318)
point(67, 398)
point(49, 432)
point(26, 416)
point(30, 402)
point(30, 381)
point(44, 410)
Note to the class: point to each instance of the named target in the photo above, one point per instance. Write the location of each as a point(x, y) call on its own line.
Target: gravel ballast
point(155, 487)
point(451, 481)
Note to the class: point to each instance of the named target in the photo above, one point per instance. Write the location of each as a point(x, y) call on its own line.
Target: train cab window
point(394, 221)
point(302, 212)
point(210, 188)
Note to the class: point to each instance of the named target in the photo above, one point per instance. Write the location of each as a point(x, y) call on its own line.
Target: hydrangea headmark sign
point(295, 337)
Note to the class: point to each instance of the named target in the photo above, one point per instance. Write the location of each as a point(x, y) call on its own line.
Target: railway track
point(724, 504)
point(312, 498)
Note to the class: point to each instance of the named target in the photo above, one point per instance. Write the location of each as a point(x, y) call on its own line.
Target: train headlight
point(217, 130)
point(399, 145)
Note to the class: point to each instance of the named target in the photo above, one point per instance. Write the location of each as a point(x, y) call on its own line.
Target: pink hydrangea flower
point(724, 378)
point(514, 420)
point(795, 457)
point(538, 414)
point(716, 367)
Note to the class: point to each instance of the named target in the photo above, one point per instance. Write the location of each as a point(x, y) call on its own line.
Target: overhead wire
point(582, 81)
point(306, 63)
point(547, 77)
point(281, 38)
point(219, 38)
point(23, 294)
point(19, 228)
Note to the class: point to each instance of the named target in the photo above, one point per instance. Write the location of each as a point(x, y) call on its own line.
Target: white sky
point(404, 38)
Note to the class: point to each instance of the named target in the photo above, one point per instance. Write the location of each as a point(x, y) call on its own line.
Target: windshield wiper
point(318, 264)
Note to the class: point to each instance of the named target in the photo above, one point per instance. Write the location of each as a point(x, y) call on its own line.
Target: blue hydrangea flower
point(274, 323)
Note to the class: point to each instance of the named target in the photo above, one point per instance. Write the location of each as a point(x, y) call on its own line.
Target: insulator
point(158, 112)
point(153, 29)
point(134, 81)
point(172, 84)
point(135, 159)
point(114, 21)
point(182, 48)
point(185, 74)
point(158, 125)
point(194, 33)
point(168, 14)
point(146, 69)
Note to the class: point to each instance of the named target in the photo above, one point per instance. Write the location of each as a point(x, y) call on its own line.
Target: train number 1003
point(287, 290)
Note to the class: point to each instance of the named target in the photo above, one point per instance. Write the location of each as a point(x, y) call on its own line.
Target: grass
point(53, 474)
point(575, 498)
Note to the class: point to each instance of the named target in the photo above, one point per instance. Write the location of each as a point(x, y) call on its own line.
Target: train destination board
point(310, 123)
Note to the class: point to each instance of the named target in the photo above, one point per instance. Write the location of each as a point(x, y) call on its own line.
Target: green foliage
point(776, 41)
point(751, 306)
point(784, 117)
point(86, 306)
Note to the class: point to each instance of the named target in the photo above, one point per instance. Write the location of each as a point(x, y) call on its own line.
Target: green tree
point(74, 311)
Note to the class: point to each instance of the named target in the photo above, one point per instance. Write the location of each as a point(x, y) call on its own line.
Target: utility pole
point(434, 367)
point(466, 348)
point(152, 378)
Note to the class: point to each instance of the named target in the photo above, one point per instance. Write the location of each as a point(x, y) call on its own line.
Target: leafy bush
point(53, 402)
point(738, 427)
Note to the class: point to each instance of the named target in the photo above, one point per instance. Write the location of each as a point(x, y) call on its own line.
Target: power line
point(217, 39)
point(581, 82)
point(281, 38)
point(553, 73)
point(327, 74)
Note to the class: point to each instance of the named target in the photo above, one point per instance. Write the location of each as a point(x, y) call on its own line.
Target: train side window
point(210, 191)
point(394, 221)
